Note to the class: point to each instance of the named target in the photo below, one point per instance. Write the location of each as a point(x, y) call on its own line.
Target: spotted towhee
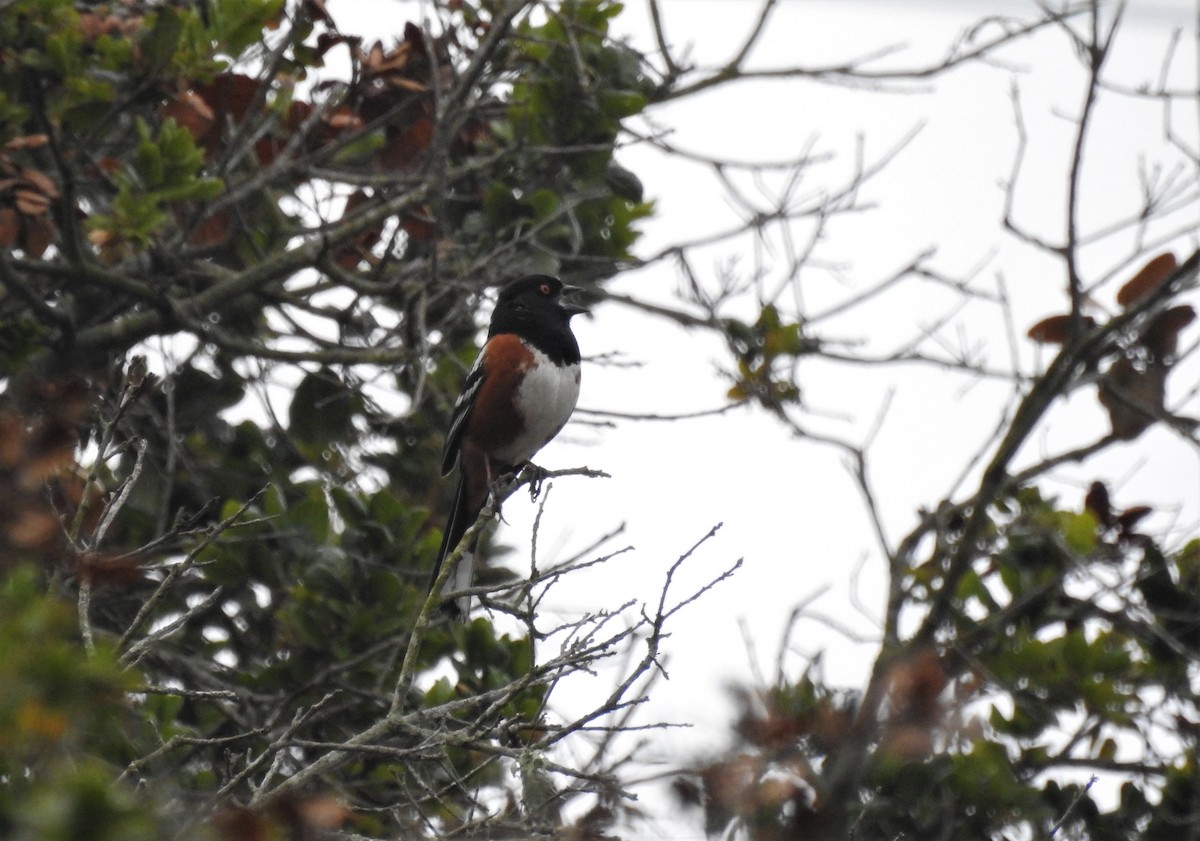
point(518, 395)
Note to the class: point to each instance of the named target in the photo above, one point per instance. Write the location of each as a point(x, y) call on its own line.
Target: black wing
point(462, 410)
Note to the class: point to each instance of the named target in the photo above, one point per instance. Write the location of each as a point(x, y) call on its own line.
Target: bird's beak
point(569, 308)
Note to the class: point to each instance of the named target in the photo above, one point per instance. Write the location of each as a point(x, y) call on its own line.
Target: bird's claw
point(536, 475)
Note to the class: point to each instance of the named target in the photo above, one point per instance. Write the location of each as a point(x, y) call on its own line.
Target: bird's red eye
point(544, 289)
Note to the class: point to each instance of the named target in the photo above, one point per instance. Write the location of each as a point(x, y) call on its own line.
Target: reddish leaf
point(592, 826)
point(728, 784)
point(108, 569)
point(317, 11)
point(206, 110)
point(92, 26)
point(298, 112)
point(1151, 276)
point(419, 225)
point(359, 248)
point(473, 131)
point(406, 146)
point(1056, 330)
point(214, 230)
point(687, 792)
point(1133, 398)
point(282, 817)
point(326, 41)
point(191, 111)
point(10, 227)
point(1161, 334)
point(39, 234)
point(1097, 502)
point(329, 128)
point(33, 529)
point(229, 94)
point(268, 148)
point(1130, 517)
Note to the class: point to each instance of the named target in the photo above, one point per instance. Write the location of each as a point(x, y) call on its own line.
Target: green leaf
point(1079, 530)
point(323, 409)
point(162, 40)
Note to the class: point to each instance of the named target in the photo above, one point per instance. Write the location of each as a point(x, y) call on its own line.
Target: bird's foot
point(499, 490)
point(536, 475)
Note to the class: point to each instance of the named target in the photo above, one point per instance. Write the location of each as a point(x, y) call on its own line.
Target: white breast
point(547, 398)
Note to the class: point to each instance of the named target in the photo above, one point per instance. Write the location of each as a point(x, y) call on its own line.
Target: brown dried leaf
point(1056, 330)
point(344, 119)
point(28, 141)
point(31, 202)
point(407, 84)
point(774, 792)
point(39, 234)
point(41, 182)
point(92, 26)
point(915, 686)
point(374, 56)
point(592, 826)
point(1150, 277)
point(323, 812)
point(906, 742)
point(102, 237)
point(33, 528)
point(12, 444)
point(729, 785)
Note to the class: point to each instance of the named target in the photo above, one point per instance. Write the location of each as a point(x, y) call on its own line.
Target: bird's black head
point(533, 308)
point(539, 293)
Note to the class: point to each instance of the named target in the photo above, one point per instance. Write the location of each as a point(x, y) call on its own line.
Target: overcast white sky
point(789, 507)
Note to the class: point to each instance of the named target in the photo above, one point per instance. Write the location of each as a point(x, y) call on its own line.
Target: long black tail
point(461, 518)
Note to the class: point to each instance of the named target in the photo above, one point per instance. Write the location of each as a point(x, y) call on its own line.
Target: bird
point(518, 395)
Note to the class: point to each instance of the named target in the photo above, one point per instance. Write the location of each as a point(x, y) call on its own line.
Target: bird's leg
point(500, 481)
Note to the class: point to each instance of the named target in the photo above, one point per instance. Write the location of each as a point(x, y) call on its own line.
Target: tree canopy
point(213, 614)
